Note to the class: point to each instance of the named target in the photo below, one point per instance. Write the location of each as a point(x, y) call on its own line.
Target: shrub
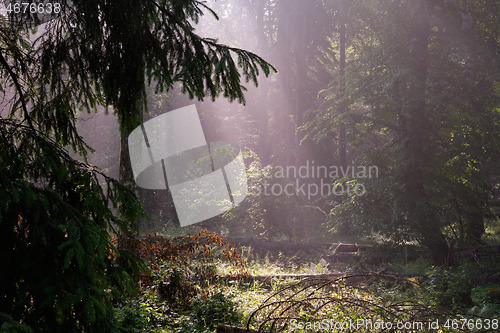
point(209, 312)
point(176, 263)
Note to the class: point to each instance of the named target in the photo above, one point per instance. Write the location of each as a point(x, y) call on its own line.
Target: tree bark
point(126, 176)
point(342, 66)
point(263, 113)
point(416, 144)
point(474, 227)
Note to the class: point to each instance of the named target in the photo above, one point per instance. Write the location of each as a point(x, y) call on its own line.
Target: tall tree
point(414, 125)
point(342, 18)
point(425, 111)
point(60, 268)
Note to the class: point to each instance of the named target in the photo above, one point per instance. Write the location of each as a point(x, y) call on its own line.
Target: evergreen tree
point(423, 107)
point(60, 268)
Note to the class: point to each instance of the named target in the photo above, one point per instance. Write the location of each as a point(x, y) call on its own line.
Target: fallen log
point(259, 244)
point(491, 248)
point(350, 248)
point(344, 257)
point(223, 328)
point(268, 278)
point(333, 276)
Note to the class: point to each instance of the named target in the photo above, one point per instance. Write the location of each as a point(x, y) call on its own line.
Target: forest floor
point(322, 290)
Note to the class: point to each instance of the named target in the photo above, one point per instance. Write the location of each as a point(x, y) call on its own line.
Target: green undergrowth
point(175, 299)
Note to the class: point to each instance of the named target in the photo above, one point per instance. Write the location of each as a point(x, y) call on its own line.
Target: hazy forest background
point(381, 119)
point(359, 84)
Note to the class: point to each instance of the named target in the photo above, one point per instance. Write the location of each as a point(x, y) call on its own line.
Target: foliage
point(191, 253)
point(148, 313)
point(174, 288)
point(173, 262)
point(370, 296)
point(10, 325)
point(181, 283)
point(142, 315)
point(360, 302)
point(162, 47)
point(451, 288)
point(470, 286)
point(208, 312)
point(60, 268)
point(421, 103)
point(274, 207)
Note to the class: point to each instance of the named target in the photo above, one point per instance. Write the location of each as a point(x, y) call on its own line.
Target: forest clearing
point(249, 166)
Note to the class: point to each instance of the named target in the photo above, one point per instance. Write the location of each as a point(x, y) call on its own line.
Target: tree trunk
point(342, 65)
point(126, 176)
point(264, 146)
point(416, 144)
point(474, 227)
